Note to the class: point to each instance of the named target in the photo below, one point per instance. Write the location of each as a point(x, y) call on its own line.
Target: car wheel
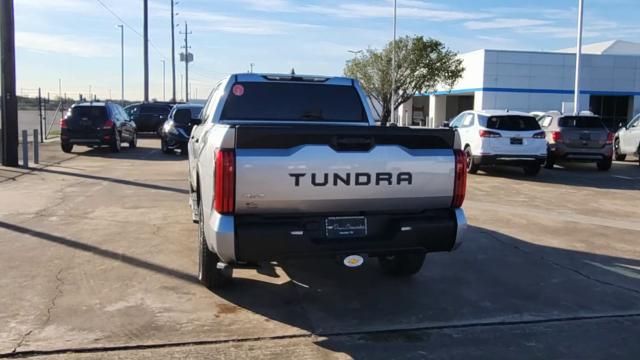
point(208, 273)
point(532, 170)
point(134, 141)
point(401, 264)
point(164, 146)
point(604, 164)
point(548, 164)
point(472, 167)
point(66, 147)
point(616, 151)
point(116, 145)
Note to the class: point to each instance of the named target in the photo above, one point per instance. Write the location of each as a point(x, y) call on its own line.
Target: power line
point(130, 27)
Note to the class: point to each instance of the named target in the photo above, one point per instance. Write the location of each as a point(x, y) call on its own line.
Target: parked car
point(288, 166)
point(97, 124)
point(177, 129)
point(149, 117)
point(627, 140)
point(537, 114)
point(582, 138)
point(500, 137)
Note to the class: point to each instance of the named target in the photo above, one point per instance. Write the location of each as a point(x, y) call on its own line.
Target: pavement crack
point(562, 266)
point(22, 339)
point(52, 303)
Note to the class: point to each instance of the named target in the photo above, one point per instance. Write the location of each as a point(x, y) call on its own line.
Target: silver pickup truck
point(288, 166)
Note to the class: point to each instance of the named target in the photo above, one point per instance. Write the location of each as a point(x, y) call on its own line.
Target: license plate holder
point(515, 141)
point(346, 227)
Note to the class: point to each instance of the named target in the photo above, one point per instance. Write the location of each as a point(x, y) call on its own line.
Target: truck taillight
point(225, 179)
point(460, 182)
point(556, 136)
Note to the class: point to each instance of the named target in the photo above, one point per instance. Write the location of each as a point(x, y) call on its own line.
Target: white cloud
point(243, 25)
point(503, 23)
point(61, 44)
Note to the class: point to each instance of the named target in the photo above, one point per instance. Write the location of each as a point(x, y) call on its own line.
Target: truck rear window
point(280, 101)
point(513, 123)
point(589, 122)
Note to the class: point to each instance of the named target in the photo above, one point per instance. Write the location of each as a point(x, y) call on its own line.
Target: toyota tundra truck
point(291, 167)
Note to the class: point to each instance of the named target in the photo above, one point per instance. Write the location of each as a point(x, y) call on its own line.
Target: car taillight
point(489, 134)
point(225, 178)
point(609, 138)
point(107, 124)
point(63, 123)
point(460, 181)
point(556, 136)
point(539, 135)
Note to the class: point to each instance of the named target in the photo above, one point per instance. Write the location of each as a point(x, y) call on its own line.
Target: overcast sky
point(79, 42)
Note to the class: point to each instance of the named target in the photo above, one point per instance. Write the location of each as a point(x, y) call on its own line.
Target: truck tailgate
point(342, 169)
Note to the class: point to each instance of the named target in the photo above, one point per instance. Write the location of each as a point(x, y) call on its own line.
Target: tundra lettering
point(360, 179)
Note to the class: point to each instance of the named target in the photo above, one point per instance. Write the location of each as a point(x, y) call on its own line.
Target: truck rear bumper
point(269, 238)
point(511, 160)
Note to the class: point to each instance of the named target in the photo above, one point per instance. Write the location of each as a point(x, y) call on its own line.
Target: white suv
point(627, 140)
point(491, 137)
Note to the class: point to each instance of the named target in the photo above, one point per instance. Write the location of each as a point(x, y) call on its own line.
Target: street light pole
point(576, 91)
point(164, 86)
point(173, 54)
point(393, 62)
point(121, 63)
point(8, 100)
point(146, 50)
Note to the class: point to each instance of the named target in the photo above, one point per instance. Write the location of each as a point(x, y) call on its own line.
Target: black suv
point(97, 124)
point(149, 117)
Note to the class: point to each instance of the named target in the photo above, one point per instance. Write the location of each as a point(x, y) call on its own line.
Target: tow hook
point(353, 261)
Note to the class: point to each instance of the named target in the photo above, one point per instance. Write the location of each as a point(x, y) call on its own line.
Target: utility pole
point(173, 54)
point(393, 62)
point(181, 88)
point(251, 71)
point(164, 86)
point(121, 63)
point(60, 89)
point(146, 50)
point(8, 85)
point(576, 92)
point(187, 57)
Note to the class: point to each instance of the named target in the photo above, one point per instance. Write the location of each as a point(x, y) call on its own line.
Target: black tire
point(604, 164)
point(401, 264)
point(616, 151)
point(208, 273)
point(548, 164)
point(134, 141)
point(532, 170)
point(165, 147)
point(66, 147)
point(116, 145)
point(472, 167)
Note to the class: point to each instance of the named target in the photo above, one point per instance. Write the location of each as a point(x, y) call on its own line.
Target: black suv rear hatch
point(87, 119)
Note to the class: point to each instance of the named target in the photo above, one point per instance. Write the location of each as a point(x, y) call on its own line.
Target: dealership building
point(537, 81)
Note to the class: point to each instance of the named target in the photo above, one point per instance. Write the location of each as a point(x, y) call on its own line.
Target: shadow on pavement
point(139, 153)
point(622, 176)
point(494, 279)
point(116, 181)
point(115, 256)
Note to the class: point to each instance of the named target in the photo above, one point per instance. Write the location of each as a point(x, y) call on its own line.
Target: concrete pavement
point(99, 254)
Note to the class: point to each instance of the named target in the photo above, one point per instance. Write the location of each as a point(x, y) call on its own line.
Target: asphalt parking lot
point(99, 258)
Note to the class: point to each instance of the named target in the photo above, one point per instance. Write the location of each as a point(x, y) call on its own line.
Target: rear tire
point(208, 273)
point(616, 149)
point(401, 264)
point(548, 164)
point(66, 147)
point(165, 147)
point(116, 145)
point(532, 170)
point(605, 164)
point(472, 167)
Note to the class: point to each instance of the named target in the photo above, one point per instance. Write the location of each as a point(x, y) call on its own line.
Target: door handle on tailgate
point(352, 143)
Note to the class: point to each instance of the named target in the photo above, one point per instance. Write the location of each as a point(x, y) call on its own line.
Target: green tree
point(421, 65)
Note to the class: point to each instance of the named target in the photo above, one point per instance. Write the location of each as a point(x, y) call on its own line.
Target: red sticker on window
point(238, 90)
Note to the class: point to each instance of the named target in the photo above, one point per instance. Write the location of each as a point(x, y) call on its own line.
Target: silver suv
point(581, 138)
